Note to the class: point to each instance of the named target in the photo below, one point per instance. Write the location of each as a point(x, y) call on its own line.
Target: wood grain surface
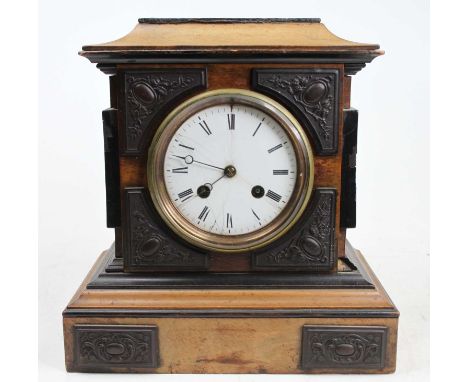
point(193, 344)
point(233, 37)
point(239, 345)
point(231, 299)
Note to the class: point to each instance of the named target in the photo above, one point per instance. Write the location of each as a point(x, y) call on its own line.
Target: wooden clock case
point(308, 302)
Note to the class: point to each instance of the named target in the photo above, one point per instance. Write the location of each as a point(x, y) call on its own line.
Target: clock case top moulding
point(232, 40)
point(321, 313)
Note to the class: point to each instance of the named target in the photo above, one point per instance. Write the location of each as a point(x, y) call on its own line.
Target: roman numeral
point(211, 228)
point(185, 194)
point(187, 147)
point(273, 195)
point(180, 170)
point(205, 127)
point(258, 127)
point(275, 148)
point(228, 220)
point(204, 213)
point(231, 121)
point(256, 216)
point(280, 172)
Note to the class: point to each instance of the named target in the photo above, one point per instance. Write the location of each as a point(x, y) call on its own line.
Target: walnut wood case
point(306, 303)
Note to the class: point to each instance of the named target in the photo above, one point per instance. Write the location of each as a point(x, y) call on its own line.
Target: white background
point(393, 171)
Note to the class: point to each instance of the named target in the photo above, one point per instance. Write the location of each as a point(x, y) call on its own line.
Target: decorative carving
point(147, 243)
point(313, 245)
point(148, 93)
point(314, 95)
point(112, 345)
point(349, 347)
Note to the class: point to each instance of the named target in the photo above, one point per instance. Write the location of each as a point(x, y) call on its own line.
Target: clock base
point(350, 329)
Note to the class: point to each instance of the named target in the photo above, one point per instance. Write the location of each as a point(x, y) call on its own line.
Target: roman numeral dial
point(230, 170)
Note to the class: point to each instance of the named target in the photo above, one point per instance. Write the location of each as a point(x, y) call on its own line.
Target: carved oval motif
point(311, 246)
point(315, 92)
point(151, 246)
point(115, 348)
point(144, 93)
point(345, 349)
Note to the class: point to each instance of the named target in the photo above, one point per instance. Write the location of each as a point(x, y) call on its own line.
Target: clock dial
point(230, 170)
point(237, 138)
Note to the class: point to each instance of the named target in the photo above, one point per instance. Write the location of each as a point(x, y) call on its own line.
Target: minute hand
point(206, 164)
point(189, 159)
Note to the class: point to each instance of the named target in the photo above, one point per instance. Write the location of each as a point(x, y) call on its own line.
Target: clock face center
point(230, 171)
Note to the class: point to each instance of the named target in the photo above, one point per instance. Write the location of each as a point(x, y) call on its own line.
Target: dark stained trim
point(263, 280)
point(109, 276)
point(112, 170)
point(226, 20)
point(234, 313)
point(353, 62)
point(348, 169)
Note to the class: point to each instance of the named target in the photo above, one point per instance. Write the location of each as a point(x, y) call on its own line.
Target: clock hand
point(189, 159)
point(211, 184)
point(205, 189)
point(206, 164)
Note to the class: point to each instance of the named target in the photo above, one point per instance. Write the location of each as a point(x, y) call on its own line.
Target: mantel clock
point(230, 159)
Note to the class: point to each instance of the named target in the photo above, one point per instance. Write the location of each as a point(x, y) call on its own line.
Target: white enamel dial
point(230, 169)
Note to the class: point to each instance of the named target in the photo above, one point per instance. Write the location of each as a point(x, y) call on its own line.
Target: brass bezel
point(230, 243)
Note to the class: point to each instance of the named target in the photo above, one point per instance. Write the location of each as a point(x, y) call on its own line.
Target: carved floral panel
point(101, 346)
point(314, 97)
point(149, 93)
point(348, 347)
point(313, 245)
point(147, 243)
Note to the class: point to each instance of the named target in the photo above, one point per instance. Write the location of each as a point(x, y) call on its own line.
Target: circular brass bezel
point(230, 243)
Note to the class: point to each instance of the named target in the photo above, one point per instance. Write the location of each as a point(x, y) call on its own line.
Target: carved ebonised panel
point(111, 157)
point(346, 347)
point(149, 94)
point(348, 169)
point(148, 244)
point(312, 95)
point(312, 246)
point(100, 347)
